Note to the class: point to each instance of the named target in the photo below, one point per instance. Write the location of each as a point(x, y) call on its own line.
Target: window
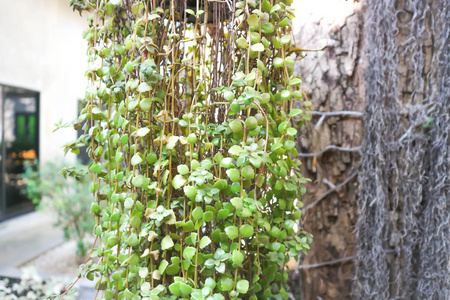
point(19, 143)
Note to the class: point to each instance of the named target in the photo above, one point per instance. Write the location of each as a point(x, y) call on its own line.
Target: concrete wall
point(41, 49)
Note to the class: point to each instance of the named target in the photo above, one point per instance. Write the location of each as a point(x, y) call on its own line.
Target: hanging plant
point(190, 127)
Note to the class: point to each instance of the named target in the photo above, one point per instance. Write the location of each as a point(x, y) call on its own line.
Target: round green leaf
point(167, 243)
point(189, 252)
point(174, 288)
point(242, 43)
point(197, 213)
point(232, 232)
point(289, 145)
point(183, 169)
point(136, 159)
point(185, 289)
point(178, 181)
point(248, 172)
point(237, 257)
point(237, 203)
point(284, 22)
point(205, 241)
point(236, 126)
point(138, 181)
point(233, 174)
point(253, 20)
point(242, 286)
point(285, 39)
point(259, 47)
point(208, 216)
point(246, 230)
point(226, 284)
point(190, 192)
point(267, 28)
point(278, 62)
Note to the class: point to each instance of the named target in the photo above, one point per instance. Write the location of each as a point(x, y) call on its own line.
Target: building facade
point(42, 65)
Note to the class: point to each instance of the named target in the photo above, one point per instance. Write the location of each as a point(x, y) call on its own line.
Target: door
point(19, 129)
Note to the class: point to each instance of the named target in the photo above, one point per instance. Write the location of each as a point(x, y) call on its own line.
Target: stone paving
point(24, 238)
point(31, 240)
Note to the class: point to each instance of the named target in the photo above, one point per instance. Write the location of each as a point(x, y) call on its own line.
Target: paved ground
point(31, 240)
point(25, 237)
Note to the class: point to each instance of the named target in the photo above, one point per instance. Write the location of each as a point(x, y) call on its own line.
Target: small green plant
point(191, 117)
point(69, 200)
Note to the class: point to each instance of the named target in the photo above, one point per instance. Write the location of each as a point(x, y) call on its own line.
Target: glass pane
point(19, 145)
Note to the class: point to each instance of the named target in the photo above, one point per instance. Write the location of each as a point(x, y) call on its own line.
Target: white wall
point(41, 49)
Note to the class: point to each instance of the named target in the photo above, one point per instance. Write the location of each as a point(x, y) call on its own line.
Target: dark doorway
point(19, 130)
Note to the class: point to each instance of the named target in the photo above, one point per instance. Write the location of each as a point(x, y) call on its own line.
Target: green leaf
point(205, 241)
point(190, 11)
point(138, 181)
point(142, 132)
point(132, 240)
point(295, 112)
point(227, 162)
point(285, 39)
point(275, 8)
point(174, 288)
point(136, 159)
point(258, 47)
point(234, 174)
point(235, 150)
point(267, 28)
point(189, 226)
point(286, 94)
point(189, 252)
point(253, 20)
point(183, 169)
point(242, 43)
point(222, 214)
point(246, 230)
point(172, 141)
point(237, 257)
point(289, 145)
point(144, 87)
point(295, 81)
point(266, 6)
point(282, 126)
point(248, 172)
point(185, 289)
point(237, 203)
point(256, 161)
point(232, 232)
point(162, 266)
point(145, 104)
point(291, 131)
point(208, 216)
point(278, 62)
point(190, 192)
point(209, 282)
point(242, 286)
point(197, 213)
point(226, 284)
point(128, 203)
point(178, 181)
point(167, 243)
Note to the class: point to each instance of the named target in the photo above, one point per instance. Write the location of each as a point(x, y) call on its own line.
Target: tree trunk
point(388, 61)
point(332, 77)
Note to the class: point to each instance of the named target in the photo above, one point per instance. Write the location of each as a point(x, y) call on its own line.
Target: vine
point(191, 129)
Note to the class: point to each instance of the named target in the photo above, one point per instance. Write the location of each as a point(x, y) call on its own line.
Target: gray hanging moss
point(403, 245)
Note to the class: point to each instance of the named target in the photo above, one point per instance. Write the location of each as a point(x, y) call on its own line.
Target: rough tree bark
point(332, 77)
point(379, 213)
